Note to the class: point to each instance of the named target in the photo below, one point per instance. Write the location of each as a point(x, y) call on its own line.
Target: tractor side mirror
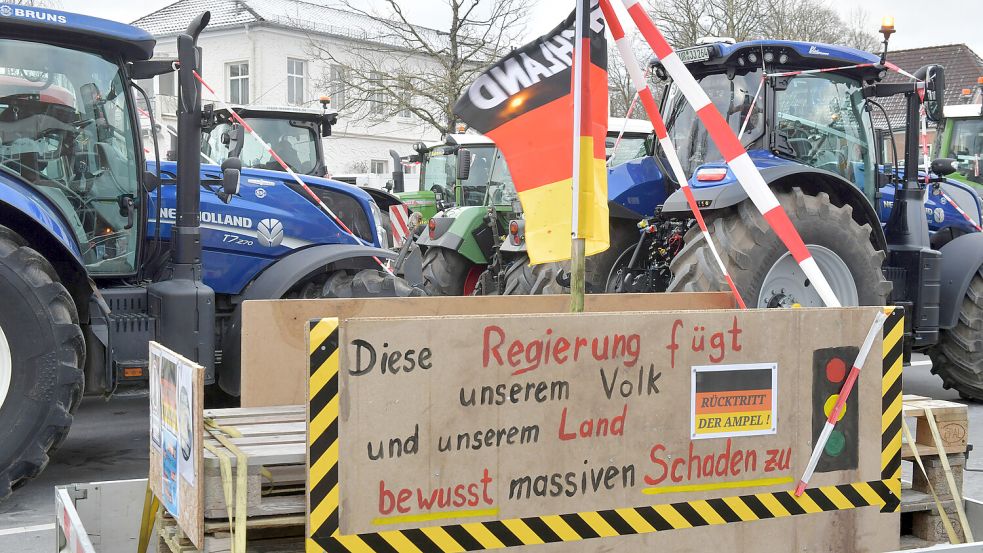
point(944, 166)
point(934, 77)
point(231, 169)
point(328, 120)
point(463, 164)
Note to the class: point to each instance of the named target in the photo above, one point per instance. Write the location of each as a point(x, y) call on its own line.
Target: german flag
point(525, 104)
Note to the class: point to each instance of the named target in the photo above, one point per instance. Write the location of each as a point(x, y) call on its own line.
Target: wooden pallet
point(952, 419)
point(921, 521)
point(274, 441)
point(276, 534)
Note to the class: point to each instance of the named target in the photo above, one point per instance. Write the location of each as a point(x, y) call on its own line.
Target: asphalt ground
point(109, 442)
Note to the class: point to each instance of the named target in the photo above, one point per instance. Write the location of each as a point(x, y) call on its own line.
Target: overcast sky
point(919, 23)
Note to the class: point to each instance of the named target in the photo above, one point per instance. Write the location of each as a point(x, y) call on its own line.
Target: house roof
point(293, 14)
point(962, 65)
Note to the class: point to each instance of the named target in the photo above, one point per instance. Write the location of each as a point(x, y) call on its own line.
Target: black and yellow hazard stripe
point(893, 343)
point(322, 430)
point(324, 534)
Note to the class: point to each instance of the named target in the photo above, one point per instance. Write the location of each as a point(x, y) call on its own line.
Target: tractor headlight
point(380, 229)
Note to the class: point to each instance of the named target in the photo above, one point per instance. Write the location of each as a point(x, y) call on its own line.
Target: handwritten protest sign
point(581, 426)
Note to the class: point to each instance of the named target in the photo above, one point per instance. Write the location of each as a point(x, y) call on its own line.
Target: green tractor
point(960, 136)
point(473, 191)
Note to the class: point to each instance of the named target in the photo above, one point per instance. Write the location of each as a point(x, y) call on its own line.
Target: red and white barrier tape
point(631, 109)
point(834, 414)
point(399, 216)
point(286, 167)
point(648, 102)
point(733, 152)
point(960, 210)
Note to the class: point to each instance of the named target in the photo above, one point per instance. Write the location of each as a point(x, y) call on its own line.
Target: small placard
point(734, 400)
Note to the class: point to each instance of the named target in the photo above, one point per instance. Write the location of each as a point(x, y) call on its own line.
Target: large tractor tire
point(958, 357)
point(522, 279)
point(367, 283)
point(448, 273)
point(765, 272)
point(42, 353)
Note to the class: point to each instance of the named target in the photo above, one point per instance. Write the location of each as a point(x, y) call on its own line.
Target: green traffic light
point(835, 444)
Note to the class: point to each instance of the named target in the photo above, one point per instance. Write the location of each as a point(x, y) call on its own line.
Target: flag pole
point(578, 246)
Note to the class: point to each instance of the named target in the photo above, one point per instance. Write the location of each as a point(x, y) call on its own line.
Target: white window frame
point(238, 82)
point(377, 100)
point(338, 91)
point(292, 81)
point(381, 163)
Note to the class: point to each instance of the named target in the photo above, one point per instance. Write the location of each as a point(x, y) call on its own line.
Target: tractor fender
point(382, 198)
point(463, 230)
point(961, 259)
point(276, 280)
point(785, 177)
point(29, 215)
point(282, 275)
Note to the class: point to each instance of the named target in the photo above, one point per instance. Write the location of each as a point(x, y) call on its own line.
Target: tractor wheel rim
point(786, 285)
point(471, 279)
point(6, 367)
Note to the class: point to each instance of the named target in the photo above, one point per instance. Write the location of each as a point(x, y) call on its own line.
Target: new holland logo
point(269, 232)
point(817, 52)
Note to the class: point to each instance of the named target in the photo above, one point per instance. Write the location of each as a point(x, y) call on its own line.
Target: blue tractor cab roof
point(778, 56)
point(75, 31)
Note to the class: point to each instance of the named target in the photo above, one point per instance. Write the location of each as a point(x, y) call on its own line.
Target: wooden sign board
point(176, 452)
point(601, 430)
point(274, 359)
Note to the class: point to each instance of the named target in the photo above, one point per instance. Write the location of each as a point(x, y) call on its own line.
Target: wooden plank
point(266, 429)
point(277, 454)
point(263, 439)
point(250, 420)
point(942, 409)
point(246, 411)
point(269, 506)
point(914, 501)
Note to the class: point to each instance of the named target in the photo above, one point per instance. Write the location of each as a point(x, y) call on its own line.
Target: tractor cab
point(961, 137)
point(68, 132)
point(794, 116)
point(484, 181)
point(811, 114)
point(297, 131)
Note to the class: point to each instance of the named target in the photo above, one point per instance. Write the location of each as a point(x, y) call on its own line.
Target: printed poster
point(734, 400)
point(185, 409)
point(155, 440)
point(169, 432)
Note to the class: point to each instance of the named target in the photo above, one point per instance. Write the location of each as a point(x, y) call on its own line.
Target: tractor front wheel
point(958, 357)
point(448, 273)
point(523, 279)
point(762, 268)
point(42, 352)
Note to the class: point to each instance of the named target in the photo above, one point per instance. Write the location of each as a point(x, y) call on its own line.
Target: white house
point(258, 52)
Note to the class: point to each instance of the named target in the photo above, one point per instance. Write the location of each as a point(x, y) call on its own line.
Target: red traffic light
point(836, 369)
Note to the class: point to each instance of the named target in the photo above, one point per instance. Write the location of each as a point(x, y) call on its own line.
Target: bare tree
point(685, 21)
point(405, 68)
point(857, 31)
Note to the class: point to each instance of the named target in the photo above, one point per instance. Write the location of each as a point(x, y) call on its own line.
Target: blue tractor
point(98, 255)
point(881, 235)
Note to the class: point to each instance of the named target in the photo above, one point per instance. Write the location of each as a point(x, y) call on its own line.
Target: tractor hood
point(74, 30)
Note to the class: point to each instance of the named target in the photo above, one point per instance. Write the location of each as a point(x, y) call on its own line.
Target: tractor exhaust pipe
point(183, 305)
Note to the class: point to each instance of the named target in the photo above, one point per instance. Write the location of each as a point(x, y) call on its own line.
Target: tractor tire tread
point(66, 393)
